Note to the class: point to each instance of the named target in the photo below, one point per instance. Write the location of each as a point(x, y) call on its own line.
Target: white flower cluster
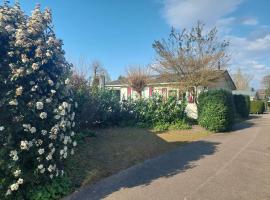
point(38, 98)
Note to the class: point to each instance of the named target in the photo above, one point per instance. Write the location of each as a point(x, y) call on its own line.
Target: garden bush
point(242, 105)
point(156, 110)
point(36, 103)
point(97, 107)
point(257, 107)
point(102, 108)
point(54, 190)
point(216, 110)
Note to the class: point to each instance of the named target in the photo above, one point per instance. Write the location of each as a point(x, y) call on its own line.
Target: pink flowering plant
point(36, 105)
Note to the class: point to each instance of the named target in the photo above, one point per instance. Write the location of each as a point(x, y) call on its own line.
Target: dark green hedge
point(257, 107)
point(216, 110)
point(242, 105)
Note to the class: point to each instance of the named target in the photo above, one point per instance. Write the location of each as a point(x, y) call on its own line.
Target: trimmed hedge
point(242, 105)
point(216, 110)
point(257, 107)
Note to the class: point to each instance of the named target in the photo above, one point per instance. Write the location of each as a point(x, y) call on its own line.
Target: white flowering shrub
point(36, 105)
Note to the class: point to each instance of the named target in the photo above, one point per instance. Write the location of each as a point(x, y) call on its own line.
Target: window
point(172, 93)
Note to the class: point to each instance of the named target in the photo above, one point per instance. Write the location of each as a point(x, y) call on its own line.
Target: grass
point(115, 149)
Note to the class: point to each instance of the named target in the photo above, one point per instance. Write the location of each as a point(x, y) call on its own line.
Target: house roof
point(157, 80)
point(245, 92)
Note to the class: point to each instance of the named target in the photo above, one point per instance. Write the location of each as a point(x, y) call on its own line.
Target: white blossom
point(65, 104)
point(43, 132)
point(15, 157)
point(41, 151)
point(20, 181)
point(24, 145)
point(13, 102)
point(8, 192)
point(73, 124)
point(72, 152)
point(35, 66)
point(40, 166)
point(24, 58)
point(51, 168)
point(33, 129)
point(72, 133)
point(39, 105)
point(43, 115)
point(2, 128)
point(67, 81)
point(17, 173)
point(19, 91)
point(49, 157)
point(14, 187)
point(50, 82)
point(48, 100)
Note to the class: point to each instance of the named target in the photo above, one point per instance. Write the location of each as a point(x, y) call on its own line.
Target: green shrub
point(257, 107)
point(58, 188)
point(179, 125)
point(101, 107)
point(157, 110)
point(242, 105)
point(216, 110)
point(161, 126)
point(97, 108)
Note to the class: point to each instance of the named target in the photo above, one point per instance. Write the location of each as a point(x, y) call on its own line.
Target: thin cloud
point(250, 21)
point(183, 13)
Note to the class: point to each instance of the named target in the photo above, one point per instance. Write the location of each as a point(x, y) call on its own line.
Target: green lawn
point(115, 149)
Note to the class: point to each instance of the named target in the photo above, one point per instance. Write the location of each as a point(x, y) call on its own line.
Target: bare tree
point(137, 78)
point(98, 70)
point(266, 84)
point(242, 80)
point(192, 58)
point(82, 68)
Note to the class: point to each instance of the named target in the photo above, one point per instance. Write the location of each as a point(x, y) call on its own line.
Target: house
point(157, 85)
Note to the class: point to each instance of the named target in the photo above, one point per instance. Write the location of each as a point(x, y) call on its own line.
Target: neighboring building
point(157, 85)
point(251, 93)
point(261, 93)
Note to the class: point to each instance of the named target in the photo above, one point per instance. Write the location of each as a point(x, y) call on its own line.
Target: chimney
point(101, 81)
point(218, 65)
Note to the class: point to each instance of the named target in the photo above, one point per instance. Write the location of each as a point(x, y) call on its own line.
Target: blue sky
point(120, 33)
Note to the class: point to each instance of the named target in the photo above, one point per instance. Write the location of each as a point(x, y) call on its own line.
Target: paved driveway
point(231, 166)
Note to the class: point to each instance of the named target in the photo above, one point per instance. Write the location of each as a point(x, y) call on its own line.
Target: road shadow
point(242, 125)
point(169, 164)
point(246, 123)
point(255, 116)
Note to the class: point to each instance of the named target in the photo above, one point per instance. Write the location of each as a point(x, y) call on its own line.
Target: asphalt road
point(229, 166)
